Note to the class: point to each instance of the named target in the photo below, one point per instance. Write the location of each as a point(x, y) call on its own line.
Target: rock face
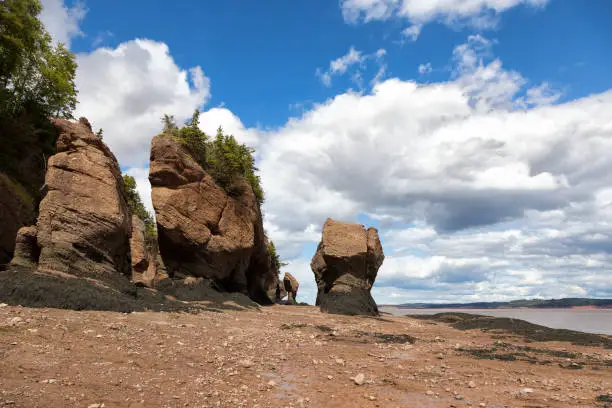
point(16, 210)
point(84, 223)
point(345, 267)
point(291, 287)
point(204, 232)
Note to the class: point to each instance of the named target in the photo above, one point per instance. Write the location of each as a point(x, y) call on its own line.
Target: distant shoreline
point(499, 308)
point(564, 303)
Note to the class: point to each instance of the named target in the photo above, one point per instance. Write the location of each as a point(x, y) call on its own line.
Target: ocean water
point(584, 320)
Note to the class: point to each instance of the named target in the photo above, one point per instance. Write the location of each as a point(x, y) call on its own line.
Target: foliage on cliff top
point(274, 257)
point(35, 75)
point(222, 156)
point(37, 81)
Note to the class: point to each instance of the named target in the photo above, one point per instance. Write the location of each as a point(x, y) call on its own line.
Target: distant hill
point(526, 303)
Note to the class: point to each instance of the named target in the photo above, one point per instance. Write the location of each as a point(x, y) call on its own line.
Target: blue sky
point(474, 134)
point(261, 56)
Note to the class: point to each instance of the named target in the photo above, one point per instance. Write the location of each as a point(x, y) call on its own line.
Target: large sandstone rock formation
point(202, 231)
point(291, 287)
point(83, 225)
point(345, 267)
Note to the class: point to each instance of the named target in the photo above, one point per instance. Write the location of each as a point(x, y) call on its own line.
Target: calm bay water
point(584, 320)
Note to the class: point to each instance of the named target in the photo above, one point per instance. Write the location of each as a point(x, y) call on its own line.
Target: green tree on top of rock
point(223, 157)
point(35, 75)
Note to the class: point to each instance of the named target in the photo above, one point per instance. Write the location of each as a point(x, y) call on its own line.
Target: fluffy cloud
point(211, 119)
point(126, 90)
point(61, 21)
point(477, 13)
point(490, 189)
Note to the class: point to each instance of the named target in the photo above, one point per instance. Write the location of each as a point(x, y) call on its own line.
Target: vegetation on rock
point(35, 75)
point(275, 258)
point(222, 156)
point(137, 208)
point(37, 81)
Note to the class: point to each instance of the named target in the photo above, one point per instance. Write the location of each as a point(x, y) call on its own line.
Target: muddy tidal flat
point(590, 320)
point(284, 356)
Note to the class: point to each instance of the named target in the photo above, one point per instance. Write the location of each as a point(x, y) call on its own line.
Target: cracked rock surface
point(84, 224)
point(203, 231)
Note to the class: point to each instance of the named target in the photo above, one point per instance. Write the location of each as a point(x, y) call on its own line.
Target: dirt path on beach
point(283, 356)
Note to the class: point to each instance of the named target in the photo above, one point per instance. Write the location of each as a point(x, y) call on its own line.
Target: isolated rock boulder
point(203, 231)
point(291, 286)
point(345, 267)
point(84, 222)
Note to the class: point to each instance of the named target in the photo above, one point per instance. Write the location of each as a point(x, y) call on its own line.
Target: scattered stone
point(471, 384)
point(15, 321)
point(359, 379)
point(246, 363)
point(3, 305)
point(429, 392)
point(526, 391)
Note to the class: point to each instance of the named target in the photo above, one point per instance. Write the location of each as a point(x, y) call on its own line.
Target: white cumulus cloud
point(127, 89)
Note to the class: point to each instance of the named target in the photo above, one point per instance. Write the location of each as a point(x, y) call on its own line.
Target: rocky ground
point(226, 355)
